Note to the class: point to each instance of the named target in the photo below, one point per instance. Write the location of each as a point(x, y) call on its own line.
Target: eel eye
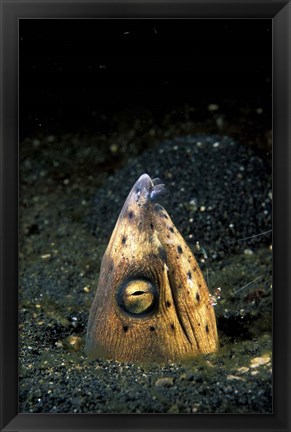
point(138, 297)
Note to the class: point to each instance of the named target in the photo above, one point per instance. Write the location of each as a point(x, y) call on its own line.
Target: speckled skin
point(146, 245)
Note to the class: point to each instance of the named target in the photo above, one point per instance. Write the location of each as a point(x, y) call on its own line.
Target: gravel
point(71, 192)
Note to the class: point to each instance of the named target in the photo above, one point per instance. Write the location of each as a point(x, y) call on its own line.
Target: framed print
point(145, 216)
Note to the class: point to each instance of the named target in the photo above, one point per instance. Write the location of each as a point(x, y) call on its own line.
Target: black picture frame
point(11, 12)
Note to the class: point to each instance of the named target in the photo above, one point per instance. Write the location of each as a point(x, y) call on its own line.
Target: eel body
point(152, 302)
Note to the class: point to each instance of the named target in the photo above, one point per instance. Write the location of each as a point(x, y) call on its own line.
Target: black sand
point(71, 191)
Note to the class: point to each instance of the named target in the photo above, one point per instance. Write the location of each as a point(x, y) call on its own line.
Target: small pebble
point(234, 377)
point(259, 361)
point(243, 369)
point(46, 256)
point(164, 382)
point(59, 344)
point(248, 252)
point(195, 408)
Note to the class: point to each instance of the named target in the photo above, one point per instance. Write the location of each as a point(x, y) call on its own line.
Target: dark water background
point(100, 103)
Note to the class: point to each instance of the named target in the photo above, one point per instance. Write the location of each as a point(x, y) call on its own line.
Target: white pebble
point(248, 252)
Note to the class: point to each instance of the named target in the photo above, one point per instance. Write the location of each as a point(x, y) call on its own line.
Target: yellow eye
point(138, 296)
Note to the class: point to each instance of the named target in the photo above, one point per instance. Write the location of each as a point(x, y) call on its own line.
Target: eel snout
point(147, 189)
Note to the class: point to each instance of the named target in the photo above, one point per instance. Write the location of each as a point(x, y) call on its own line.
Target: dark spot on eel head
point(171, 229)
point(162, 254)
point(152, 328)
point(179, 249)
point(123, 240)
point(189, 275)
point(168, 304)
point(165, 216)
point(197, 297)
point(207, 328)
point(151, 225)
point(172, 326)
point(130, 215)
point(125, 328)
